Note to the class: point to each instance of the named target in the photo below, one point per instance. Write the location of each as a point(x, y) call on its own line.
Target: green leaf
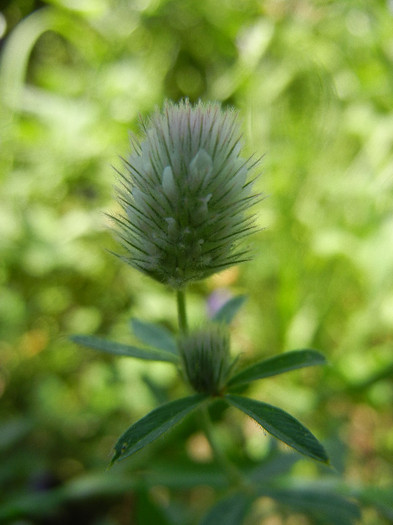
point(277, 365)
point(274, 466)
point(184, 474)
point(281, 425)
point(381, 498)
point(228, 311)
point(320, 503)
point(110, 347)
point(228, 511)
point(154, 335)
point(35, 506)
point(154, 424)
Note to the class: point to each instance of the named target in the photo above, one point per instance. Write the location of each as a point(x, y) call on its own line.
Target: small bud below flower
point(206, 358)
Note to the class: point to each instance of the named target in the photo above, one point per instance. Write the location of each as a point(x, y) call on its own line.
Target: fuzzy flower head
point(186, 195)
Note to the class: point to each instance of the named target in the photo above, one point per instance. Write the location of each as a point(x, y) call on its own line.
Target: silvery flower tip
point(186, 195)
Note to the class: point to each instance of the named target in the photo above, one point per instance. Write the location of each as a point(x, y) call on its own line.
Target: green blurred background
point(313, 81)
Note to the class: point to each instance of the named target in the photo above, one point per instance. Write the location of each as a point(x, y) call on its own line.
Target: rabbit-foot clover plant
point(186, 196)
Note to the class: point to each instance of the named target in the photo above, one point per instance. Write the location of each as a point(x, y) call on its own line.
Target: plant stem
point(234, 475)
point(181, 311)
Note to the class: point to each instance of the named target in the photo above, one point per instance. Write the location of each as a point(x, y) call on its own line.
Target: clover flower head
point(206, 358)
point(186, 195)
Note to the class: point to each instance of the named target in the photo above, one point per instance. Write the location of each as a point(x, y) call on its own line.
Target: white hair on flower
point(186, 194)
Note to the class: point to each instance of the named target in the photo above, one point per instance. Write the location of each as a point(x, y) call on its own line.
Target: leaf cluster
point(161, 346)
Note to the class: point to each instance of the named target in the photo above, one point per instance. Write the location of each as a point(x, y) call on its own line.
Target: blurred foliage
point(313, 82)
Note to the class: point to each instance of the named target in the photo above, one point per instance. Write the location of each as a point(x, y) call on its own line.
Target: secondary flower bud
point(186, 195)
point(206, 358)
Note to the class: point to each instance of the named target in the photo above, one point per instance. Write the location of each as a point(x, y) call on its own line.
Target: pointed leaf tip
point(281, 425)
point(111, 347)
point(153, 425)
point(278, 365)
point(154, 335)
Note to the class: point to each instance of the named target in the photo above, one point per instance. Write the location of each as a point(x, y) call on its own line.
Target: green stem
point(181, 311)
point(234, 475)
